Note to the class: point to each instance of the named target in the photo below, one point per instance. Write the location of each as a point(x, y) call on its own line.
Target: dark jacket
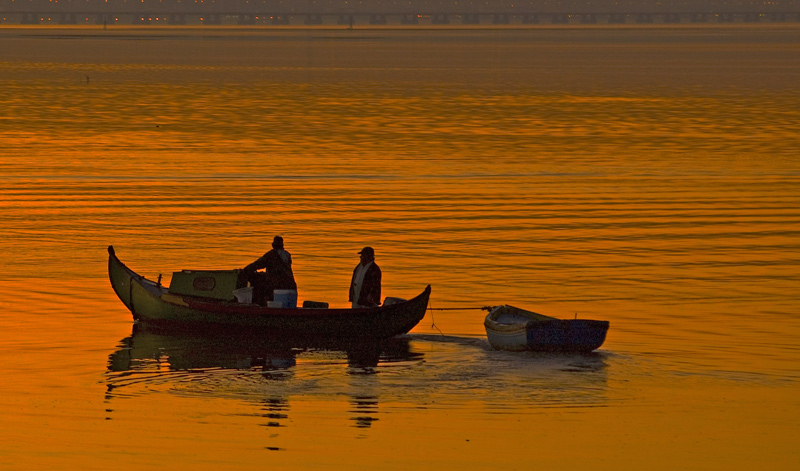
point(370, 288)
point(279, 273)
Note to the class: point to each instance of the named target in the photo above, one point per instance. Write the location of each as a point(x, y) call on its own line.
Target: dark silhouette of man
point(278, 273)
point(365, 286)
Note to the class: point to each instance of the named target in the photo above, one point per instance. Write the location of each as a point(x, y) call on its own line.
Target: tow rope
point(465, 308)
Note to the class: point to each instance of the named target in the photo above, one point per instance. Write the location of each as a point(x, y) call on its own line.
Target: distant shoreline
point(395, 27)
point(453, 16)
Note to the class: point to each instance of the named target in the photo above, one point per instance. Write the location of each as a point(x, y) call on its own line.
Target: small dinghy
point(515, 329)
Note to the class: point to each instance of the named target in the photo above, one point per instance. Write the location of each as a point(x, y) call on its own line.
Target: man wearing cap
point(365, 287)
point(279, 275)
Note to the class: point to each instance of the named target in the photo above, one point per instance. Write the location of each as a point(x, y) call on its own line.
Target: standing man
point(365, 287)
point(278, 273)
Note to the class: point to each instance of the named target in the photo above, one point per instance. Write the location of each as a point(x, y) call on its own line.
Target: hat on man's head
point(277, 242)
point(367, 251)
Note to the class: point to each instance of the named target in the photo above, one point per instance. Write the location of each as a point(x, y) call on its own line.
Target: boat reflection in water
point(274, 378)
point(506, 382)
point(149, 349)
point(267, 371)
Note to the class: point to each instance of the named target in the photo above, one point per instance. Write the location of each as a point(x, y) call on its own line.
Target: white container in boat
point(287, 297)
point(390, 300)
point(274, 304)
point(244, 295)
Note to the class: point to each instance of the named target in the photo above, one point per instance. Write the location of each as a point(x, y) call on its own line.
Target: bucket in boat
point(287, 297)
point(244, 295)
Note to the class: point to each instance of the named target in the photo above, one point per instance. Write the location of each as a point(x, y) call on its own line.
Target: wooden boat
point(204, 300)
point(512, 328)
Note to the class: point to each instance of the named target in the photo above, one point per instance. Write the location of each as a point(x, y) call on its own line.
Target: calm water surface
point(645, 176)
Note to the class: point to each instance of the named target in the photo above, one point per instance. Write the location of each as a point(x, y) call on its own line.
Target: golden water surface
point(644, 176)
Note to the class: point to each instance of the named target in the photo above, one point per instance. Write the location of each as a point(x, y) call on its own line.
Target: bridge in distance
point(383, 12)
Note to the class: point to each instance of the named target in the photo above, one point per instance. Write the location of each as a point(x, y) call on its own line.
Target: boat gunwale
point(257, 310)
point(490, 322)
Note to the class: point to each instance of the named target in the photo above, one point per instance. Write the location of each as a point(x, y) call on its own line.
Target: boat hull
point(514, 329)
point(573, 335)
point(153, 304)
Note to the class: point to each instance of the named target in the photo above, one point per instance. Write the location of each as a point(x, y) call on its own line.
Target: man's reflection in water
point(363, 367)
point(275, 410)
point(364, 410)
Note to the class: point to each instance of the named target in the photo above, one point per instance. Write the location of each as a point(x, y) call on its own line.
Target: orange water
point(645, 176)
